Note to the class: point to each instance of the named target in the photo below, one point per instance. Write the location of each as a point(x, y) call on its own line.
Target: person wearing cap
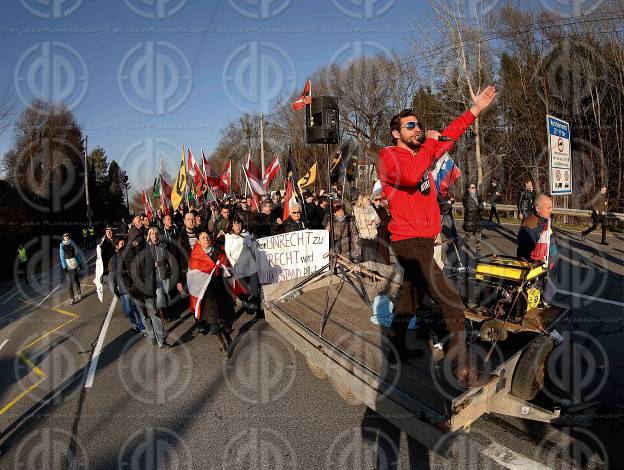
point(71, 263)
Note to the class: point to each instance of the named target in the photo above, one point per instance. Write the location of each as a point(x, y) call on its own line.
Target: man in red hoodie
point(404, 171)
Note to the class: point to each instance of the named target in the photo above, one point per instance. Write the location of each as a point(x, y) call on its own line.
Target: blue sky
point(124, 65)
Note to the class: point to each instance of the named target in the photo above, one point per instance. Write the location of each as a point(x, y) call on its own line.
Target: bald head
point(544, 206)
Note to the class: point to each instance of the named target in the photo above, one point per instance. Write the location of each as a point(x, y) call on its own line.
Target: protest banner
point(291, 255)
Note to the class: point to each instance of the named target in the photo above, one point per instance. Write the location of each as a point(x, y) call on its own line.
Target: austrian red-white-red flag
point(271, 171)
point(195, 172)
point(304, 98)
point(226, 177)
point(253, 177)
point(147, 207)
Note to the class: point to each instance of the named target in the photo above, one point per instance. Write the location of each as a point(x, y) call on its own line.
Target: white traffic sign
point(559, 156)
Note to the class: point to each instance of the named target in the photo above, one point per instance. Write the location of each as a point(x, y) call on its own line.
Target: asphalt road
point(189, 407)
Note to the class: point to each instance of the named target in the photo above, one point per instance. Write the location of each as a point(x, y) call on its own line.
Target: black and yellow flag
point(179, 187)
point(337, 164)
point(309, 178)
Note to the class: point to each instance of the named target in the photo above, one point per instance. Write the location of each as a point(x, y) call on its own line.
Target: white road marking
point(510, 459)
point(4, 342)
point(591, 297)
point(98, 346)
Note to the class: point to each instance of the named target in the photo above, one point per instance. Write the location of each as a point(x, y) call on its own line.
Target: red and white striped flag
point(147, 206)
point(226, 177)
point(253, 177)
point(195, 172)
point(304, 98)
point(271, 171)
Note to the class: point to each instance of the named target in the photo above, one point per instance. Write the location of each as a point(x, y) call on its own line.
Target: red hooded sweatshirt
point(401, 170)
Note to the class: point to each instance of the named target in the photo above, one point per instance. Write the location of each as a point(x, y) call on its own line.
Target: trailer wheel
point(528, 377)
point(345, 393)
point(316, 369)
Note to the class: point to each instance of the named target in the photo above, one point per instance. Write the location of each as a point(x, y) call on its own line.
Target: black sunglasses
point(293, 212)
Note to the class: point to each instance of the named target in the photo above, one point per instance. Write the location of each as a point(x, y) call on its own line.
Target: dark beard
point(415, 146)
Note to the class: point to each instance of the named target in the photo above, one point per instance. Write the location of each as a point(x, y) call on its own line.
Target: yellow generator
point(505, 289)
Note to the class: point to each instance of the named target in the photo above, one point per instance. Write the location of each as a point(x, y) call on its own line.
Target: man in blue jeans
point(127, 303)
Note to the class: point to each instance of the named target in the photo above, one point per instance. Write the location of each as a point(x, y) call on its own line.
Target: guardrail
point(617, 216)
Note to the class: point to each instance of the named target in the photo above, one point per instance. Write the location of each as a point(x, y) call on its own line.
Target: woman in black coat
point(473, 212)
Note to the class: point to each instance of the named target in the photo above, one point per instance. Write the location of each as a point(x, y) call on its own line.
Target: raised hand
point(482, 100)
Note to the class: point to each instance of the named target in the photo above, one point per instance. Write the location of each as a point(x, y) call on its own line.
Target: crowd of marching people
point(201, 257)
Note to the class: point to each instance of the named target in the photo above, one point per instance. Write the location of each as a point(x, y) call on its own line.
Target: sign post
point(559, 158)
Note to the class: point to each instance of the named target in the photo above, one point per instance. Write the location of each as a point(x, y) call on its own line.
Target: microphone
point(445, 138)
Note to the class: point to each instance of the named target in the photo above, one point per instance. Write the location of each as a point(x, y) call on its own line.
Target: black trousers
point(597, 220)
point(494, 213)
point(423, 276)
point(72, 278)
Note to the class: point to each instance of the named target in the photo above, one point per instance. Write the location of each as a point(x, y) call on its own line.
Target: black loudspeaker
point(322, 120)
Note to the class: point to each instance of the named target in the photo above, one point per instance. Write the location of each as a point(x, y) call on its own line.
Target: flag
point(304, 98)
point(445, 173)
point(351, 168)
point(271, 171)
point(226, 177)
point(177, 194)
point(293, 175)
point(542, 247)
point(253, 178)
point(196, 174)
point(308, 178)
point(165, 188)
point(156, 189)
point(147, 207)
point(337, 166)
point(287, 199)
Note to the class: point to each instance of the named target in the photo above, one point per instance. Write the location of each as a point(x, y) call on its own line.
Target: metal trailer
point(414, 395)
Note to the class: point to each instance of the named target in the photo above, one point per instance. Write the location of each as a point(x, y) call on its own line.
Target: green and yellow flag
point(177, 194)
point(309, 178)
